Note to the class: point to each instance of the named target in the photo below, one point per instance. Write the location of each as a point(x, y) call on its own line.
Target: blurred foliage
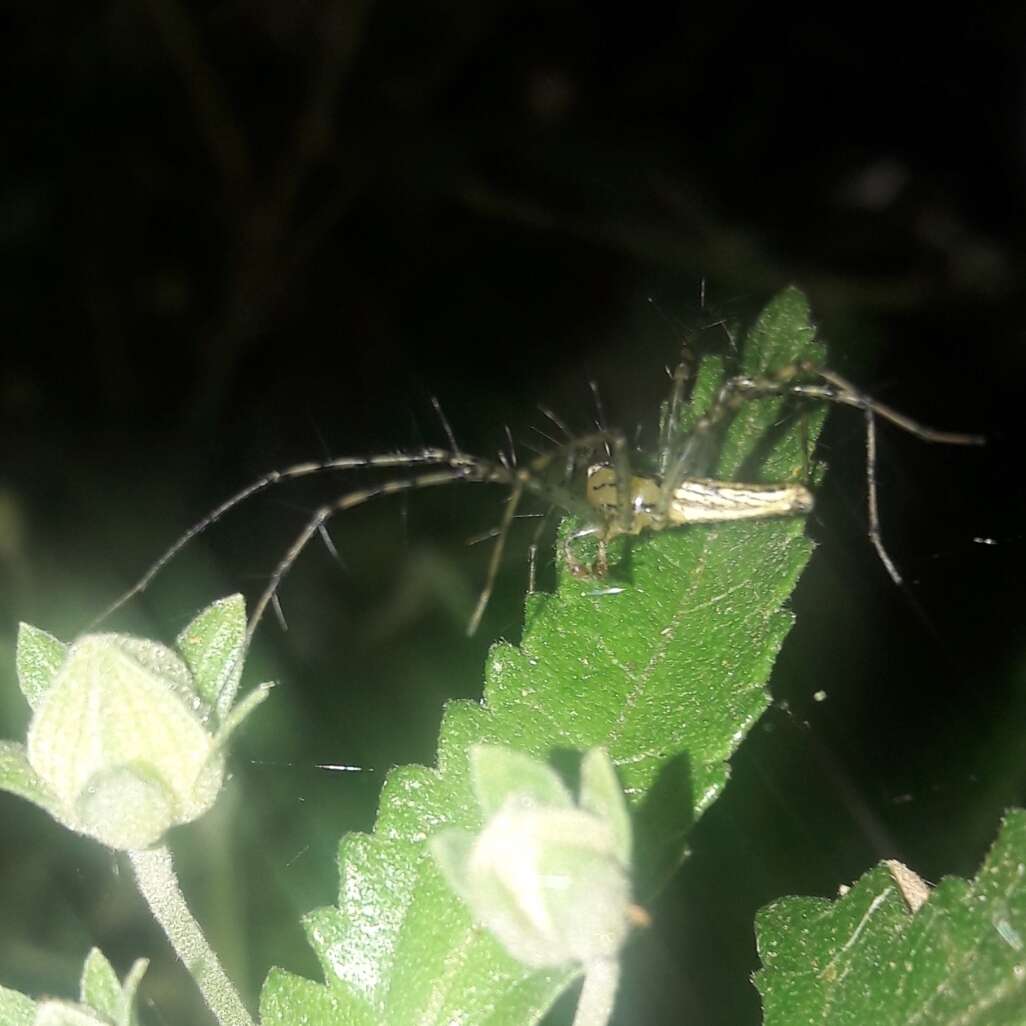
point(236, 235)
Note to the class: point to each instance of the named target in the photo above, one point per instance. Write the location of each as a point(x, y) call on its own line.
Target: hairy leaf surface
point(868, 958)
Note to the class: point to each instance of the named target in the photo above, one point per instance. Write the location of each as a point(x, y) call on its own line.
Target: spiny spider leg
point(846, 393)
point(458, 466)
point(669, 429)
point(842, 391)
point(532, 550)
point(497, 549)
point(839, 390)
point(731, 395)
point(461, 467)
point(874, 507)
point(468, 471)
point(834, 388)
point(615, 501)
point(421, 457)
point(446, 426)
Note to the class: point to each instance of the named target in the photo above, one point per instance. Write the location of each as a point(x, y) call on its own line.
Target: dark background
point(234, 235)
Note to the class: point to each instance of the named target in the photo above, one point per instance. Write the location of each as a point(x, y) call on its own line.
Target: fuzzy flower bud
point(127, 736)
point(548, 877)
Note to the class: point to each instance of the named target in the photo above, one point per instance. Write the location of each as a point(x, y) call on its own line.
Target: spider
point(614, 499)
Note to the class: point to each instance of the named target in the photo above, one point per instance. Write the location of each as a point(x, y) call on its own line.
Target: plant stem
point(159, 885)
point(598, 995)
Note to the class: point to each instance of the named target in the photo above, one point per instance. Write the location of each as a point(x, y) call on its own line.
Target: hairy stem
point(155, 873)
point(598, 995)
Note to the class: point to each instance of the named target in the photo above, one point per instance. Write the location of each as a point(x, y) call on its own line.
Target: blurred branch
point(262, 258)
point(714, 249)
point(224, 138)
point(340, 30)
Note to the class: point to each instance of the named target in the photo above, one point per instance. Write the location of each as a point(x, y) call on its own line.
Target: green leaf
point(130, 993)
point(38, 657)
point(235, 716)
point(103, 993)
point(664, 664)
point(100, 988)
point(602, 795)
point(867, 958)
point(16, 1009)
point(18, 777)
point(211, 646)
point(498, 773)
point(288, 999)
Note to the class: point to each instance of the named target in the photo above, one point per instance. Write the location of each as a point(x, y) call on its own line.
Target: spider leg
point(461, 468)
point(669, 428)
point(839, 390)
point(479, 471)
point(279, 613)
point(446, 426)
point(731, 394)
point(329, 544)
point(532, 550)
point(557, 420)
point(622, 468)
point(848, 395)
point(875, 535)
point(600, 412)
point(781, 382)
point(833, 388)
point(496, 560)
point(408, 459)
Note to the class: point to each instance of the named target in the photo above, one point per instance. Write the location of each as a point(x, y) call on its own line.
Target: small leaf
point(126, 1013)
point(451, 849)
point(239, 712)
point(866, 958)
point(38, 657)
point(16, 1009)
point(100, 988)
point(211, 646)
point(499, 773)
point(602, 795)
point(18, 777)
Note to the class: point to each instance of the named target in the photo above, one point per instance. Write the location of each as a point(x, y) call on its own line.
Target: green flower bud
point(548, 884)
point(127, 737)
point(550, 879)
point(120, 739)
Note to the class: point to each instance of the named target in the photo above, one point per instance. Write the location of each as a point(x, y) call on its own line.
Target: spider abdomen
point(696, 500)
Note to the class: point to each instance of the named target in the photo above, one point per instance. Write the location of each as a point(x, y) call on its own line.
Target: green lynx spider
point(615, 500)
